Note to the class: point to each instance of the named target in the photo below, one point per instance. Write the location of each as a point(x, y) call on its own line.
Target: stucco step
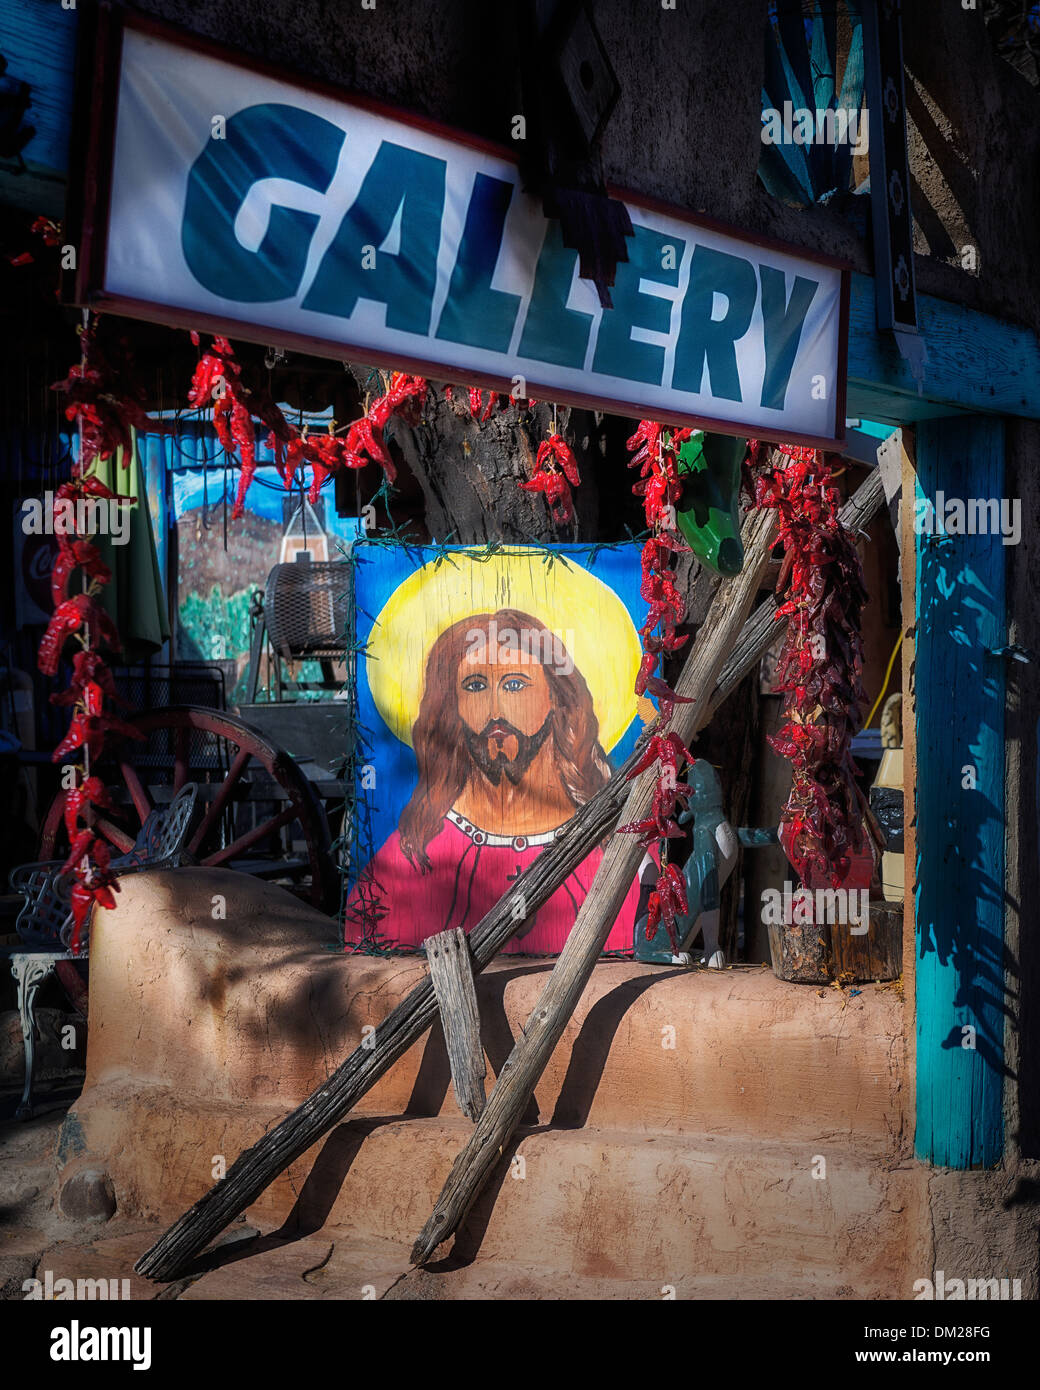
point(328, 1266)
point(600, 1203)
point(672, 1135)
point(250, 1008)
point(580, 1203)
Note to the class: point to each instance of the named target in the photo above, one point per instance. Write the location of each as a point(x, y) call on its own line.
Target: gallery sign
point(248, 203)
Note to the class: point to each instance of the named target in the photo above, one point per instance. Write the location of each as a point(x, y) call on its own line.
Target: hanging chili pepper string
point(363, 443)
point(556, 472)
point(104, 409)
point(819, 672)
point(496, 400)
point(655, 453)
point(217, 385)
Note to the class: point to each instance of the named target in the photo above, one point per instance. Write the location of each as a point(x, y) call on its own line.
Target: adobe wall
point(261, 1005)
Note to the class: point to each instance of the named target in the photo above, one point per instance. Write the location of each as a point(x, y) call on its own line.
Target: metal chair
point(45, 924)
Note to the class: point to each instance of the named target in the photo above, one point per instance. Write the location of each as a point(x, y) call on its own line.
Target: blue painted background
point(379, 570)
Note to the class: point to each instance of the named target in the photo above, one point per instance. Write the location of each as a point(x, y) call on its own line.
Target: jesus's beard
point(493, 764)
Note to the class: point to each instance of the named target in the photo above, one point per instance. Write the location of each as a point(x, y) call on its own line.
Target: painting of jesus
point(502, 694)
point(508, 746)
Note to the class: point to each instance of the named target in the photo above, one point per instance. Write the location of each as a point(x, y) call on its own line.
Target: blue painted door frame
point(959, 691)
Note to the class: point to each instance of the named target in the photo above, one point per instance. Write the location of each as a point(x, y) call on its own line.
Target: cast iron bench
point(44, 923)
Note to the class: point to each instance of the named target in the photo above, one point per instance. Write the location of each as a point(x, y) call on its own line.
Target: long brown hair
point(440, 747)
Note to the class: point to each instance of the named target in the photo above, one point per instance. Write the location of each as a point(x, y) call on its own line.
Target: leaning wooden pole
point(584, 945)
point(257, 1167)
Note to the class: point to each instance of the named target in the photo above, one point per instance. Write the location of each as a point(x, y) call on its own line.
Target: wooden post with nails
point(451, 974)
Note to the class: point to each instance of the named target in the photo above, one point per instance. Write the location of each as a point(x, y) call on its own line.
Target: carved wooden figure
point(714, 853)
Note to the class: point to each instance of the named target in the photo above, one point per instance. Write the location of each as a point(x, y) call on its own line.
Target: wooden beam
point(451, 973)
point(960, 697)
point(257, 1167)
point(908, 584)
point(877, 403)
point(975, 363)
point(598, 913)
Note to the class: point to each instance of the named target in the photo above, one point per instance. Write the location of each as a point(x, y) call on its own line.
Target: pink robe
point(467, 877)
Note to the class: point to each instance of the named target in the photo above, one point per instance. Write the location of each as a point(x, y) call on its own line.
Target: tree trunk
point(461, 480)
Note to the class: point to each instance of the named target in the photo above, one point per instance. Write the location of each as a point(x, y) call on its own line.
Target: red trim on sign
point(438, 371)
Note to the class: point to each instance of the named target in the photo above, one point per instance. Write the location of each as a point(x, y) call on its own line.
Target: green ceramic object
point(709, 467)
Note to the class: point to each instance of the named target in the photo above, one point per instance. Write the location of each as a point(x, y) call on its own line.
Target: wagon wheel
point(254, 798)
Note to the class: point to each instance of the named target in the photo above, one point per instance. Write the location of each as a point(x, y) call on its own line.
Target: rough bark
point(460, 480)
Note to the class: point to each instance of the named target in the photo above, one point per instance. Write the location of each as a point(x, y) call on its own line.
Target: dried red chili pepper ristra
point(103, 403)
point(555, 473)
point(104, 408)
point(216, 384)
point(217, 380)
point(654, 453)
point(364, 442)
point(821, 661)
point(481, 411)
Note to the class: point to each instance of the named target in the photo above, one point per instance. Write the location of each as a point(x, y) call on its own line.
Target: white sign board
point(259, 207)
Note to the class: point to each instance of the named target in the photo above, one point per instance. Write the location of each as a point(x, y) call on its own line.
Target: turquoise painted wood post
point(960, 693)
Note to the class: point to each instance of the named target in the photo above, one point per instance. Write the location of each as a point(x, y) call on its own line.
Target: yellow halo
point(586, 615)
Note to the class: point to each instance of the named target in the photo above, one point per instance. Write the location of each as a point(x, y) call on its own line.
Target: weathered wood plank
point(451, 974)
point(975, 362)
point(259, 1165)
point(960, 697)
point(574, 966)
point(39, 43)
